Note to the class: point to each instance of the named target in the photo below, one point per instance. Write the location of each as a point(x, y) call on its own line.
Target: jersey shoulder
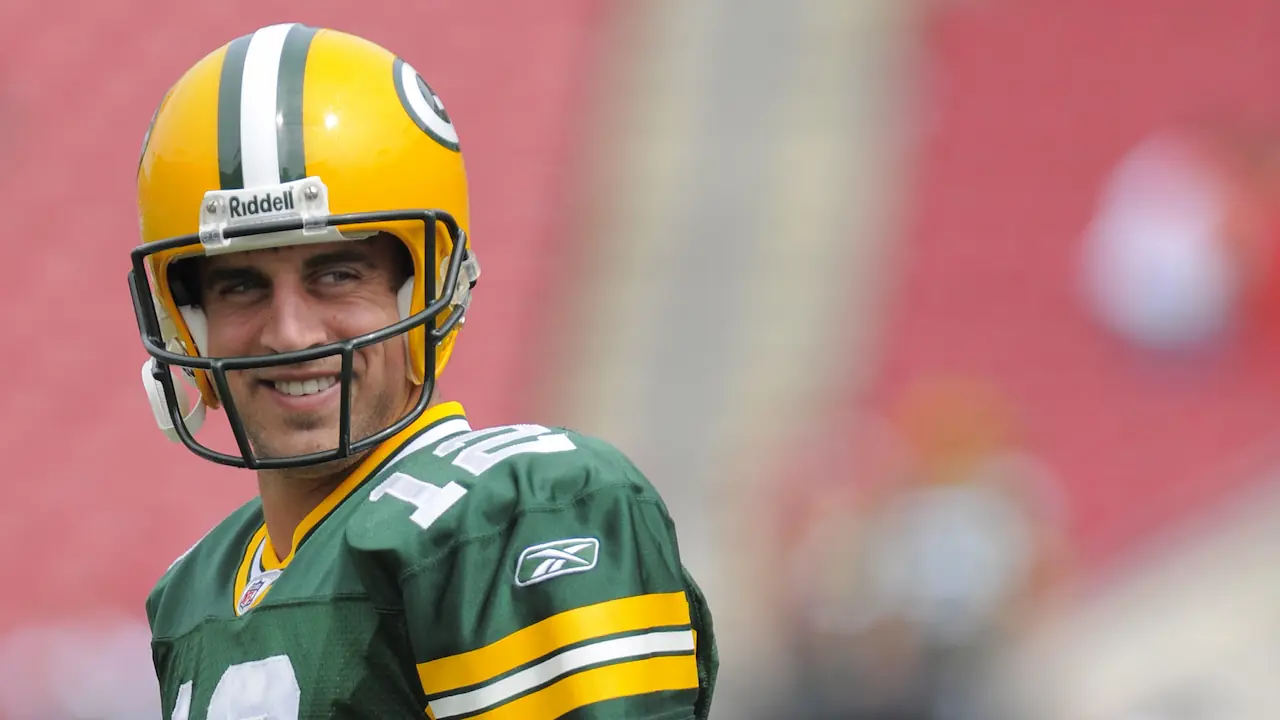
point(478, 482)
point(189, 587)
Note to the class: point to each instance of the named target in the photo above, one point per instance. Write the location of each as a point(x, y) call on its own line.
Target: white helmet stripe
point(259, 155)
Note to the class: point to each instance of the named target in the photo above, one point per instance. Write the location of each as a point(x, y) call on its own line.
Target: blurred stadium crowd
point(950, 330)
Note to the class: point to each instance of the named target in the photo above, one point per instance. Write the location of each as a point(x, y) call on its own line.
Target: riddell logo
point(259, 204)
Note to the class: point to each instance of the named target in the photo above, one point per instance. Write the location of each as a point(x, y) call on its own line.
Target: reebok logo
point(553, 559)
point(267, 202)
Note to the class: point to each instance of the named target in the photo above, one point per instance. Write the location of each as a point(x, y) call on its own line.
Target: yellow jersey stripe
point(599, 684)
point(640, 612)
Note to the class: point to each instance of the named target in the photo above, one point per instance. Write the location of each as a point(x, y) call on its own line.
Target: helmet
point(284, 136)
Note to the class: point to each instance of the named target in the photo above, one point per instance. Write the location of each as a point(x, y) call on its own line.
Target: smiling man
point(306, 270)
point(263, 302)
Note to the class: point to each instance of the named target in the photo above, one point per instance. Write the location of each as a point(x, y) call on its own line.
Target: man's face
point(292, 298)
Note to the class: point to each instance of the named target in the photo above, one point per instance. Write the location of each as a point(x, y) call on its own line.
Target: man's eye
point(232, 289)
point(341, 275)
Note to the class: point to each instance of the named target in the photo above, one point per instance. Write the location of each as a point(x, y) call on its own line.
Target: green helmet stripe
point(293, 63)
point(230, 169)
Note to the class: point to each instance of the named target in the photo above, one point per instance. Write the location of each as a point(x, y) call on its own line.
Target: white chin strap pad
point(404, 303)
point(404, 298)
point(197, 325)
point(160, 409)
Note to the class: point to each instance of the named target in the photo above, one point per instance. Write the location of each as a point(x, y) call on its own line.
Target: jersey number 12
point(480, 450)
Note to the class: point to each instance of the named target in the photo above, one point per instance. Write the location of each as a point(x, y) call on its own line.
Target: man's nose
point(295, 321)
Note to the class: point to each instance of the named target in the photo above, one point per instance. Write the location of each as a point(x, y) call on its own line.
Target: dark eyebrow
point(218, 275)
point(353, 255)
point(241, 273)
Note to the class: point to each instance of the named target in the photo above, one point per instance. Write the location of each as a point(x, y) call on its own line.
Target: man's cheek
point(240, 385)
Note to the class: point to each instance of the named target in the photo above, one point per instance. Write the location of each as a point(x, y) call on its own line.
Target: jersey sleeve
point(578, 608)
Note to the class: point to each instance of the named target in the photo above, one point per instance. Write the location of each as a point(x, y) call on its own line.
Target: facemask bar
point(152, 340)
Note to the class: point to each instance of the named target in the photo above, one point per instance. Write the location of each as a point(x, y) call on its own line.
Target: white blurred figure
point(78, 670)
point(1182, 251)
point(1158, 270)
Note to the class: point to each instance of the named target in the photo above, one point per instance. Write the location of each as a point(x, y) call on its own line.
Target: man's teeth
point(305, 387)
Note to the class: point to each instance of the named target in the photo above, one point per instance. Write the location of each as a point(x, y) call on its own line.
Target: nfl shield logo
point(254, 590)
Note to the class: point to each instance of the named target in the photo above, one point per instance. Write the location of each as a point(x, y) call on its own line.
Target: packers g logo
point(423, 105)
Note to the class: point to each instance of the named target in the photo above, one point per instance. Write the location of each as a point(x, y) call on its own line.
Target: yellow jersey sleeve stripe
point(640, 612)
point(637, 677)
point(563, 664)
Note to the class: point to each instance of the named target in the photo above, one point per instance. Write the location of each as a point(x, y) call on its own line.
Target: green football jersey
point(511, 572)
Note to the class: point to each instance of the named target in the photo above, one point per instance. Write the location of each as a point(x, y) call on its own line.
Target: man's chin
point(295, 434)
point(293, 443)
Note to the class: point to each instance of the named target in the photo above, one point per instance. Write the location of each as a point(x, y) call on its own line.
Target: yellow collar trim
point(268, 559)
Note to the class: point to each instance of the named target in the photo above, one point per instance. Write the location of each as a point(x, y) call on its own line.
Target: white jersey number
point(482, 449)
point(259, 690)
point(430, 500)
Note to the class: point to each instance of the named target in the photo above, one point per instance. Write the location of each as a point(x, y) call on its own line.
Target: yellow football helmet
point(288, 135)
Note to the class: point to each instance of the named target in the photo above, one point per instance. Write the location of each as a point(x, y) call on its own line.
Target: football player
point(306, 267)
